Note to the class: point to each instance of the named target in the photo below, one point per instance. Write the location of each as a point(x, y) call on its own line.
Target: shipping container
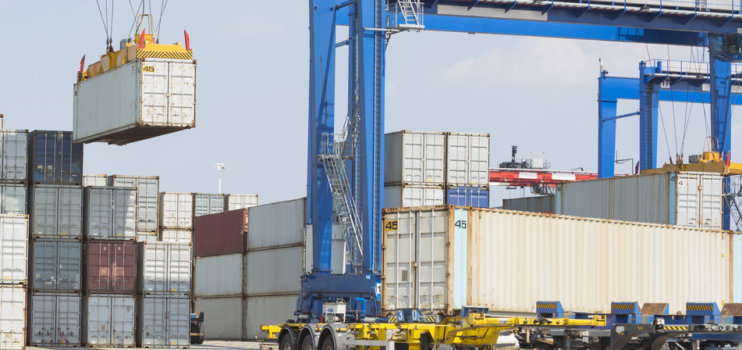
point(267, 310)
point(684, 198)
point(284, 276)
point(241, 201)
point(219, 276)
point(176, 210)
point(13, 199)
point(110, 320)
point(164, 322)
point(228, 324)
point(56, 211)
point(208, 203)
point(276, 224)
point(110, 213)
point(540, 204)
point(14, 156)
point(414, 158)
point(136, 101)
point(56, 265)
point(55, 319)
point(220, 234)
point(467, 159)
point(441, 258)
point(13, 249)
point(147, 237)
point(165, 268)
point(12, 317)
point(111, 267)
point(54, 159)
point(413, 196)
point(176, 235)
point(98, 180)
point(478, 197)
point(148, 196)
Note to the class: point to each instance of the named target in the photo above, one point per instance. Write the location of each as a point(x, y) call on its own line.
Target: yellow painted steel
point(710, 162)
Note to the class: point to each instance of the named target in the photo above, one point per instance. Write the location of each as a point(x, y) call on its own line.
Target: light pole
point(220, 169)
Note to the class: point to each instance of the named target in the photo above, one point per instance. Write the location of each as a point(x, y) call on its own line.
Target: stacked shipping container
point(147, 206)
point(176, 217)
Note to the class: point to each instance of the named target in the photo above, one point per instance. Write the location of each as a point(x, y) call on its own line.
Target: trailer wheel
point(306, 343)
point(327, 343)
point(286, 343)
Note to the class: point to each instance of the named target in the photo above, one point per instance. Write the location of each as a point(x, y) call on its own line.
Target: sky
point(252, 92)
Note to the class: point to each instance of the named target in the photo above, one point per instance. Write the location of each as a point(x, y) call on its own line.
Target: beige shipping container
point(441, 258)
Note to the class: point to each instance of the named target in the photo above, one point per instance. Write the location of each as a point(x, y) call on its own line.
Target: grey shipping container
point(164, 322)
point(413, 196)
point(148, 196)
point(12, 317)
point(241, 201)
point(467, 159)
point(165, 268)
point(14, 156)
point(208, 203)
point(56, 211)
point(539, 204)
point(110, 320)
point(110, 213)
point(176, 210)
point(176, 235)
point(228, 325)
point(55, 319)
point(57, 265)
point(414, 158)
point(98, 180)
point(13, 249)
point(13, 199)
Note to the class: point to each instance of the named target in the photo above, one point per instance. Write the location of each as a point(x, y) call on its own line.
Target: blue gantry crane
point(345, 168)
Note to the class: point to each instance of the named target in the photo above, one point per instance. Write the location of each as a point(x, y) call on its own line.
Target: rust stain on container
point(220, 234)
point(111, 267)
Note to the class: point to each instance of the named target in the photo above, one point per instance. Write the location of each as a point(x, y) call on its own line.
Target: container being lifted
point(143, 90)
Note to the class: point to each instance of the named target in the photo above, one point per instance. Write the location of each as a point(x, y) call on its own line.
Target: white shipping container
point(176, 235)
point(98, 180)
point(110, 320)
point(208, 203)
point(689, 199)
point(284, 276)
point(267, 310)
point(414, 158)
point(219, 275)
point(110, 213)
point(276, 224)
point(12, 317)
point(13, 199)
point(141, 99)
point(413, 196)
point(176, 210)
point(165, 268)
point(241, 201)
point(148, 196)
point(164, 322)
point(14, 155)
point(508, 260)
point(55, 319)
point(226, 323)
point(13, 249)
point(56, 211)
point(467, 159)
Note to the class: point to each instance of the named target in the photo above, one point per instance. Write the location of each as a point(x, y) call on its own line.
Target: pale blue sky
point(253, 89)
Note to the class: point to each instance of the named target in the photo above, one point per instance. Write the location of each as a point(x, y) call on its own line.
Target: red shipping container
point(111, 267)
point(220, 234)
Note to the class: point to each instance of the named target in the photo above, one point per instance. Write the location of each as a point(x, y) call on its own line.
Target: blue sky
point(252, 57)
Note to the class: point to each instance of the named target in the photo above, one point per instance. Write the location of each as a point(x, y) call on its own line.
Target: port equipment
point(197, 327)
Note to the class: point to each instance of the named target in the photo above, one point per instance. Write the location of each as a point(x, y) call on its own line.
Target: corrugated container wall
point(13, 249)
point(413, 195)
point(14, 156)
point(57, 265)
point(110, 213)
point(266, 310)
point(56, 211)
point(111, 267)
point(13, 199)
point(467, 159)
point(228, 325)
point(175, 235)
point(540, 204)
point(12, 317)
point(241, 201)
point(443, 258)
point(414, 158)
point(54, 159)
point(276, 224)
point(219, 276)
point(136, 101)
point(148, 196)
point(55, 319)
point(176, 210)
point(164, 322)
point(110, 321)
point(208, 203)
point(165, 268)
point(478, 197)
point(98, 180)
point(221, 233)
point(685, 198)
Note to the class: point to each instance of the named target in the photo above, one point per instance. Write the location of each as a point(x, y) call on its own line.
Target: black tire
point(307, 343)
point(200, 340)
point(286, 343)
point(327, 344)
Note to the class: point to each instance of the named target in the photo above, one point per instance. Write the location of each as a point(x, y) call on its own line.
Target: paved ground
point(207, 345)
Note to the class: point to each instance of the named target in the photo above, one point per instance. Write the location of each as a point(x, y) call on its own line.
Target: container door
point(434, 159)
point(687, 189)
point(13, 250)
point(13, 322)
point(711, 197)
point(70, 212)
point(98, 266)
point(399, 260)
point(44, 211)
point(45, 265)
point(122, 321)
point(14, 150)
point(100, 216)
point(413, 152)
point(69, 265)
point(154, 325)
point(182, 93)
point(124, 213)
point(155, 267)
point(179, 271)
point(13, 199)
point(458, 156)
point(99, 320)
point(154, 92)
point(432, 243)
point(147, 202)
point(43, 319)
point(178, 322)
point(68, 320)
point(479, 160)
point(123, 267)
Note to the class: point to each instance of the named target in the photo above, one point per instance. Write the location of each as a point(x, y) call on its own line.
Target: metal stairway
point(411, 14)
point(733, 196)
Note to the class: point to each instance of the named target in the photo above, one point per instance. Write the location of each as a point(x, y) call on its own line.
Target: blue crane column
point(648, 106)
point(721, 116)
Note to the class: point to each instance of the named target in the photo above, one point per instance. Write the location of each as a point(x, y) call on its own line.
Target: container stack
point(435, 168)
point(208, 203)
point(147, 206)
point(56, 202)
point(176, 217)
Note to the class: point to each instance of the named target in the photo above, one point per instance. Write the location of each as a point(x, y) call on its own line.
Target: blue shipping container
point(54, 158)
point(477, 197)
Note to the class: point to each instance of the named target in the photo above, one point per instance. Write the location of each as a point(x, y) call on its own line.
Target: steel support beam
point(721, 115)
point(648, 105)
